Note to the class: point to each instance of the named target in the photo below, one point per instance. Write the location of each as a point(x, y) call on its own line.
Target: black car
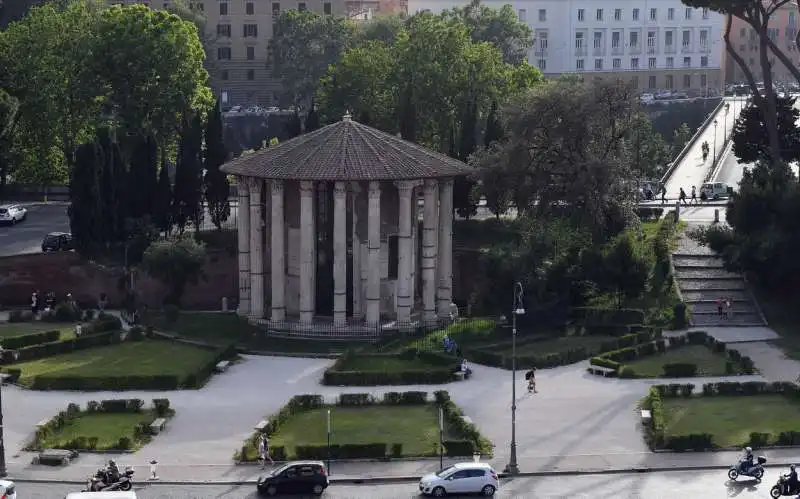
point(297, 477)
point(57, 241)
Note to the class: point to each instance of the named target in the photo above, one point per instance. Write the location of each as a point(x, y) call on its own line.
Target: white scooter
point(756, 471)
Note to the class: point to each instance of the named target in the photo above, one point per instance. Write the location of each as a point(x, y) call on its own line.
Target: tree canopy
point(751, 141)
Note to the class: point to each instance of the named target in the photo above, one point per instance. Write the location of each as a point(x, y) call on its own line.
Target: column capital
point(446, 183)
point(276, 186)
point(306, 188)
point(431, 185)
point(340, 190)
point(405, 187)
point(374, 189)
point(255, 184)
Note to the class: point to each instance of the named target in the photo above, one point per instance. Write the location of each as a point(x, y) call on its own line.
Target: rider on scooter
point(792, 483)
point(747, 459)
point(113, 472)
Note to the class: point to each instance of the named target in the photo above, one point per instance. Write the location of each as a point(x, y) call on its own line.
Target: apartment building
point(783, 30)
point(239, 31)
point(658, 45)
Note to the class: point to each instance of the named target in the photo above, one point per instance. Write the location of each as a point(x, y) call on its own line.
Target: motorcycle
point(756, 471)
point(781, 488)
point(102, 481)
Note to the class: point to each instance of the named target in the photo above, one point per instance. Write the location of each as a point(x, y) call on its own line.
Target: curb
point(374, 480)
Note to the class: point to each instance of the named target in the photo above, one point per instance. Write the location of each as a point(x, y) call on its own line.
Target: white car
point(715, 190)
point(12, 213)
point(8, 490)
point(461, 478)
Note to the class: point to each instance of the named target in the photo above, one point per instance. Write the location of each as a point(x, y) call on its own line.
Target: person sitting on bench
point(465, 369)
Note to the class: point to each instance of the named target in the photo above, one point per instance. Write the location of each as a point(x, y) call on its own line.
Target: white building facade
point(656, 44)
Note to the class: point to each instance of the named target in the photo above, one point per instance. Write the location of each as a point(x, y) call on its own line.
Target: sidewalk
point(355, 472)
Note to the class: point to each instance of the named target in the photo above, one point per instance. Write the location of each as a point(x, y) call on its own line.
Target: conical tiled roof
point(346, 150)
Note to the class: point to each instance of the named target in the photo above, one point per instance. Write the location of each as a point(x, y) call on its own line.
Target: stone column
point(373, 255)
point(307, 241)
point(358, 310)
point(430, 224)
point(444, 295)
point(339, 253)
point(405, 190)
point(243, 229)
point(278, 252)
point(256, 250)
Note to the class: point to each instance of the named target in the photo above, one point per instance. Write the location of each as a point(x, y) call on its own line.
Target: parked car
point(296, 477)
point(12, 213)
point(649, 189)
point(8, 490)
point(715, 190)
point(57, 241)
point(461, 478)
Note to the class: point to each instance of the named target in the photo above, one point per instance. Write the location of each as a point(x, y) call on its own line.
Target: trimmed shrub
point(459, 448)
point(680, 370)
point(356, 399)
point(375, 378)
point(20, 316)
point(162, 407)
point(39, 351)
point(758, 439)
point(26, 340)
point(136, 333)
point(693, 442)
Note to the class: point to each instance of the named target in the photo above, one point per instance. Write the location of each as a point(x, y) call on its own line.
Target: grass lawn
point(708, 363)
point(149, 357)
point(107, 427)
point(731, 419)
point(9, 329)
point(374, 363)
point(416, 427)
point(541, 348)
point(783, 316)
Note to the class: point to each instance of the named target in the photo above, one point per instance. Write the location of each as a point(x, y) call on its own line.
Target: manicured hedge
point(377, 450)
point(655, 433)
point(42, 350)
point(647, 214)
point(603, 316)
point(442, 370)
point(26, 340)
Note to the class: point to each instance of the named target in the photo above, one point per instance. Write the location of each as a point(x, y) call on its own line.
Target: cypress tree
point(294, 127)
point(83, 194)
point(463, 202)
point(494, 130)
point(108, 188)
point(162, 207)
point(143, 177)
point(312, 120)
point(408, 116)
point(217, 187)
point(188, 192)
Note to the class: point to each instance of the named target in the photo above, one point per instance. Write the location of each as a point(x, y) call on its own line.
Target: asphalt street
point(705, 484)
point(26, 236)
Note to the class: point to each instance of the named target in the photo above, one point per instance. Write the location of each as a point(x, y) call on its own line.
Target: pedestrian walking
point(35, 304)
point(728, 310)
point(682, 196)
point(530, 376)
point(694, 195)
point(705, 148)
point(263, 450)
point(720, 307)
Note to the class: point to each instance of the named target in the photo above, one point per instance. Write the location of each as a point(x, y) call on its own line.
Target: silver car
point(12, 213)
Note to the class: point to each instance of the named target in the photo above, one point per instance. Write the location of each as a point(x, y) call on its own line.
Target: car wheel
point(488, 490)
point(318, 489)
point(272, 490)
point(438, 492)
point(716, 197)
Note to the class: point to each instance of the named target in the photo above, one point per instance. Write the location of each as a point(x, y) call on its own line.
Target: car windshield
point(445, 471)
point(3, 211)
point(280, 470)
point(50, 239)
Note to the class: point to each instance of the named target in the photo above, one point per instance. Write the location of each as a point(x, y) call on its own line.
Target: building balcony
point(634, 49)
point(540, 52)
point(686, 49)
point(669, 49)
point(599, 51)
point(617, 51)
point(704, 47)
point(652, 49)
point(580, 52)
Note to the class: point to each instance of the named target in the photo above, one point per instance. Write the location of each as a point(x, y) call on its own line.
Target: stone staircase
point(703, 280)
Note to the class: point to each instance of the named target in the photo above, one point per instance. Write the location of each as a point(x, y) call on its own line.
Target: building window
point(688, 14)
point(224, 75)
point(687, 81)
point(635, 82)
point(598, 64)
point(579, 43)
point(166, 5)
point(687, 62)
point(543, 41)
point(224, 97)
point(581, 15)
point(668, 82)
point(542, 15)
point(703, 81)
point(579, 64)
point(251, 74)
point(668, 41)
point(618, 14)
point(276, 10)
point(521, 14)
point(223, 8)
point(653, 14)
point(302, 7)
point(251, 53)
point(224, 53)
point(651, 62)
point(651, 42)
point(394, 256)
point(705, 13)
point(616, 63)
point(651, 82)
point(633, 40)
point(249, 8)
point(704, 61)
point(326, 8)
point(200, 6)
point(542, 64)
point(598, 40)
point(670, 14)
point(635, 15)
point(250, 30)
point(703, 39)
point(599, 15)
point(634, 63)
point(616, 39)
point(792, 19)
point(687, 38)
point(224, 30)
point(670, 62)
point(743, 32)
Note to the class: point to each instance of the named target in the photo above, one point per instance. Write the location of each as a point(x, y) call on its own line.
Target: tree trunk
point(771, 109)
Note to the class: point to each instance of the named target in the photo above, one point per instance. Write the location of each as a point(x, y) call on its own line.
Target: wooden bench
point(261, 426)
point(602, 371)
point(223, 366)
point(157, 426)
point(646, 417)
point(54, 457)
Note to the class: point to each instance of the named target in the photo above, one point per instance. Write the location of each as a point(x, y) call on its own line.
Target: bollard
point(476, 457)
point(153, 475)
point(677, 211)
point(224, 303)
point(716, 215)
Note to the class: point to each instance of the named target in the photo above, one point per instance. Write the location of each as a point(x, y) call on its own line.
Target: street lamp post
point(3, 471)
point(714, 159)
point(725, 125)
point(512, 468)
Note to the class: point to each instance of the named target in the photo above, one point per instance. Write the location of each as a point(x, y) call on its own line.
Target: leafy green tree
point(175, 262)
point(302, 47)
point(625, 270)
point(163, 215)
point(9, 107)
point(143, 177)
point(187, 195)
point(681, 137)
point(750, 140)
point(649, 152)
point(217, 187)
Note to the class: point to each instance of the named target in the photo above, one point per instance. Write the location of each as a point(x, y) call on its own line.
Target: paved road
point(708, 485)
point(26, 237)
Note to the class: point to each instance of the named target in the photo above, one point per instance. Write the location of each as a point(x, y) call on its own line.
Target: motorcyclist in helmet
point(792, 483)
point(113, 472)
point(747, 459)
